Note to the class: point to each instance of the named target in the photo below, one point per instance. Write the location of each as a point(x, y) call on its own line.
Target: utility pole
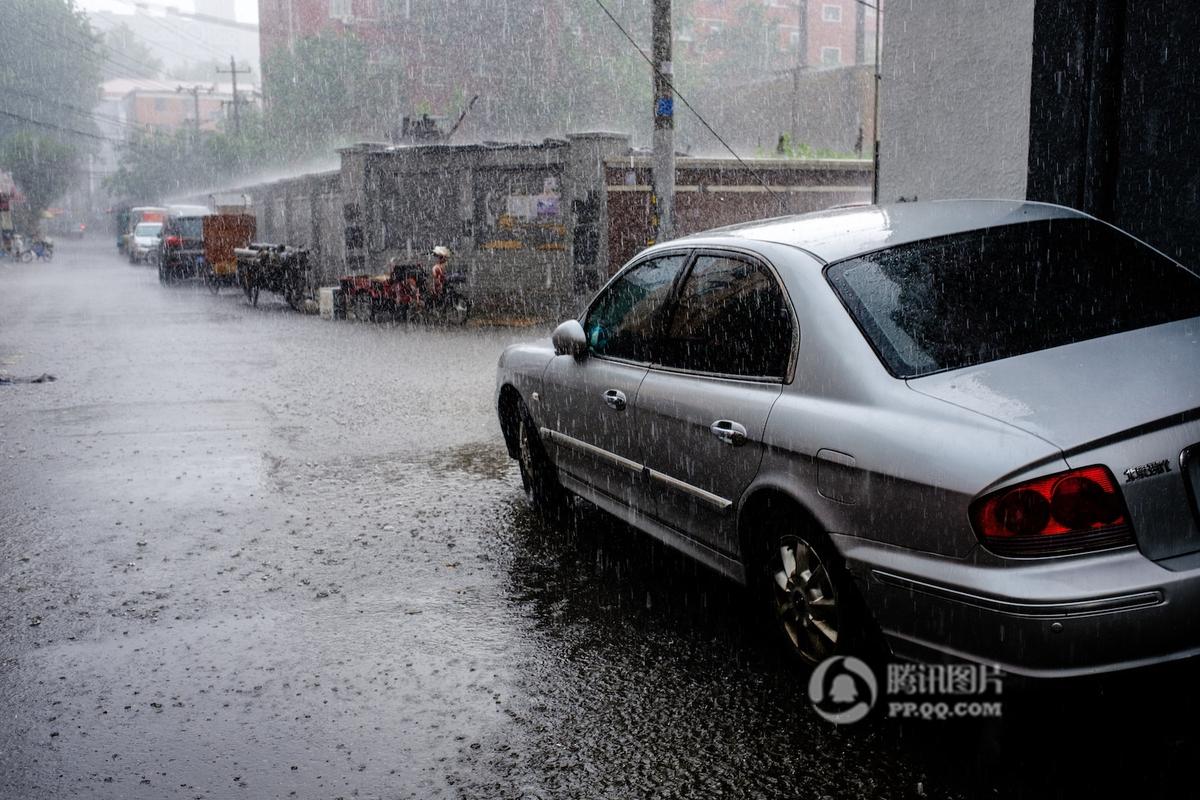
point(875, 121)
point(195, 93)
point(664, 123)
point(233, 72)
point(801, 63)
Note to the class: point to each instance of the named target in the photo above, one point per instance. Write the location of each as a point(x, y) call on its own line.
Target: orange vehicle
point(223, 234)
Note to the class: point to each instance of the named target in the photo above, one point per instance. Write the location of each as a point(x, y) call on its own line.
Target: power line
point(179, 34)
point(95, 115)
point(63, 128)
point(96, 49)
point(667, 80)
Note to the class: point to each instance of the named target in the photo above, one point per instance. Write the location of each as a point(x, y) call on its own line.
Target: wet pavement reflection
point(248, 553)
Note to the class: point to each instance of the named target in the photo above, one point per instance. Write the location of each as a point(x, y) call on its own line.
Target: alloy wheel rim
point(805, 599)
point(526, 454)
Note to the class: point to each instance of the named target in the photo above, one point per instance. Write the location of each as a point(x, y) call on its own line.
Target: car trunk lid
point(1130, 401)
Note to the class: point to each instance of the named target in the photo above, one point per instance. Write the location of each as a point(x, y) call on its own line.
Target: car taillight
point(173, 241)
point(1070, 512)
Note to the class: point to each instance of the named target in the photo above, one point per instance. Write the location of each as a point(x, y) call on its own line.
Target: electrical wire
point(689, 106)
point(96, 116)
point(63, 128)
point(96, 48)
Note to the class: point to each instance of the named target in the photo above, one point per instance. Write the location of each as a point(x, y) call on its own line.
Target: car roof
point(839, 233)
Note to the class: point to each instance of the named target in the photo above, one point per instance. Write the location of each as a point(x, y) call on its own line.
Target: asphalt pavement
point(247, 553)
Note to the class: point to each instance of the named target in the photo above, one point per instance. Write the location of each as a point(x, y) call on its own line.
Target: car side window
point(627, 319)
point(732, 318)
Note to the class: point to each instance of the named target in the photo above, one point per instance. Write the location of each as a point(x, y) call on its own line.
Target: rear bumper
point(1049, 618)
point(184, 263)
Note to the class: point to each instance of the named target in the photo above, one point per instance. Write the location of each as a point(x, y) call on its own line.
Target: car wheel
point(363, 311)
point(538, 475)
point(212, 281)
point(457, 309)
point(810, 598)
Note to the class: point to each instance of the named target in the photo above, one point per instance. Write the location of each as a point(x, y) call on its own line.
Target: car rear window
point(966, 299)
point(188, 227)
point(148, 229)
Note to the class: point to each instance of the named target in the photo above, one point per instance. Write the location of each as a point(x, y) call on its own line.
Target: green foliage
point(156, 165)
point(316, 93)
point(49, 68)
point(786, 148)
point(42, 167)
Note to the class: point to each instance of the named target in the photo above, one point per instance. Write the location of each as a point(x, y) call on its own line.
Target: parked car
point(958, 430)
point(146, 239)
point(127, 222)
point(181, 254)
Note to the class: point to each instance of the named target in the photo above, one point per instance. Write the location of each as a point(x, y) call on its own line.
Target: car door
point(588, 405)
point(728, 346)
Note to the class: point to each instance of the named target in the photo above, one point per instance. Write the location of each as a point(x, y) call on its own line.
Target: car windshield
point(148, 229)
point(970, 298)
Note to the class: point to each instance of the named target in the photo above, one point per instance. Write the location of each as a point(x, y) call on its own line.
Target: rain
point(597, 399)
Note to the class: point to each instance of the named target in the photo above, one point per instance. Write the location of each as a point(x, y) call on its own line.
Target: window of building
point(160, 104)
point(831, 13)
point(794, 40)
point(831, 56)
point(339, 9)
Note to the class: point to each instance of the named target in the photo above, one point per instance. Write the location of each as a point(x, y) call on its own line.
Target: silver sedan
point(961, 430)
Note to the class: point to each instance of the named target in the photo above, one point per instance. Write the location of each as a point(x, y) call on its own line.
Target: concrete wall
point(954, 116)
point(710, 193)
point(536, 227)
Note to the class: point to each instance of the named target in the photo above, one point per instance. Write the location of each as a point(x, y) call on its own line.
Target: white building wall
point(954, 105)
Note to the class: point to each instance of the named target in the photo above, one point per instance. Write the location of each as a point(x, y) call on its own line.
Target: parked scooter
point(406, 293)
point(43, 249)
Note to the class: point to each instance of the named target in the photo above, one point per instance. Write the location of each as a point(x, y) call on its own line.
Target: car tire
point(458, 309)
point(539, 477)
point(814, 609)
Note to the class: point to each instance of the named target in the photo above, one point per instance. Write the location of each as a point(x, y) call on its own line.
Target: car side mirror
point(569, 339)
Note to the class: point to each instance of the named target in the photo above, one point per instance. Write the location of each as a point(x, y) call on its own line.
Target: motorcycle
point(43, 249)
point(406, 294)
point(451, 305)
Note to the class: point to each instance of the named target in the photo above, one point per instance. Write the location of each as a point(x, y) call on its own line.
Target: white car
point(147, 237)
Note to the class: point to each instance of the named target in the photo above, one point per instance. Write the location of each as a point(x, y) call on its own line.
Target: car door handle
point(615, 399)
point(729, 432)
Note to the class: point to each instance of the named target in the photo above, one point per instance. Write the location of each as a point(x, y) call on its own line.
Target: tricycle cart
point(275, 268)
point(223, 235)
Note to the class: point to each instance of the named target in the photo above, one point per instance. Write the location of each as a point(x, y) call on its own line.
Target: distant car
point(128, 220)
point(955, 430)
point(181, 254)
point(147, 237)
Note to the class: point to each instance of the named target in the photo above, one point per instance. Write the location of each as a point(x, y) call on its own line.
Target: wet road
point(249, 553)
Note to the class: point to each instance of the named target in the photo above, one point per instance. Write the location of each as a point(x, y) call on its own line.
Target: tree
point(42, 167)
point(157, 164)
point(316, 95)
point(49, 69)
point(127, 56)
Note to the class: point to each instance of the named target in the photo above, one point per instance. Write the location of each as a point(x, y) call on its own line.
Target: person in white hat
point(441, 268)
